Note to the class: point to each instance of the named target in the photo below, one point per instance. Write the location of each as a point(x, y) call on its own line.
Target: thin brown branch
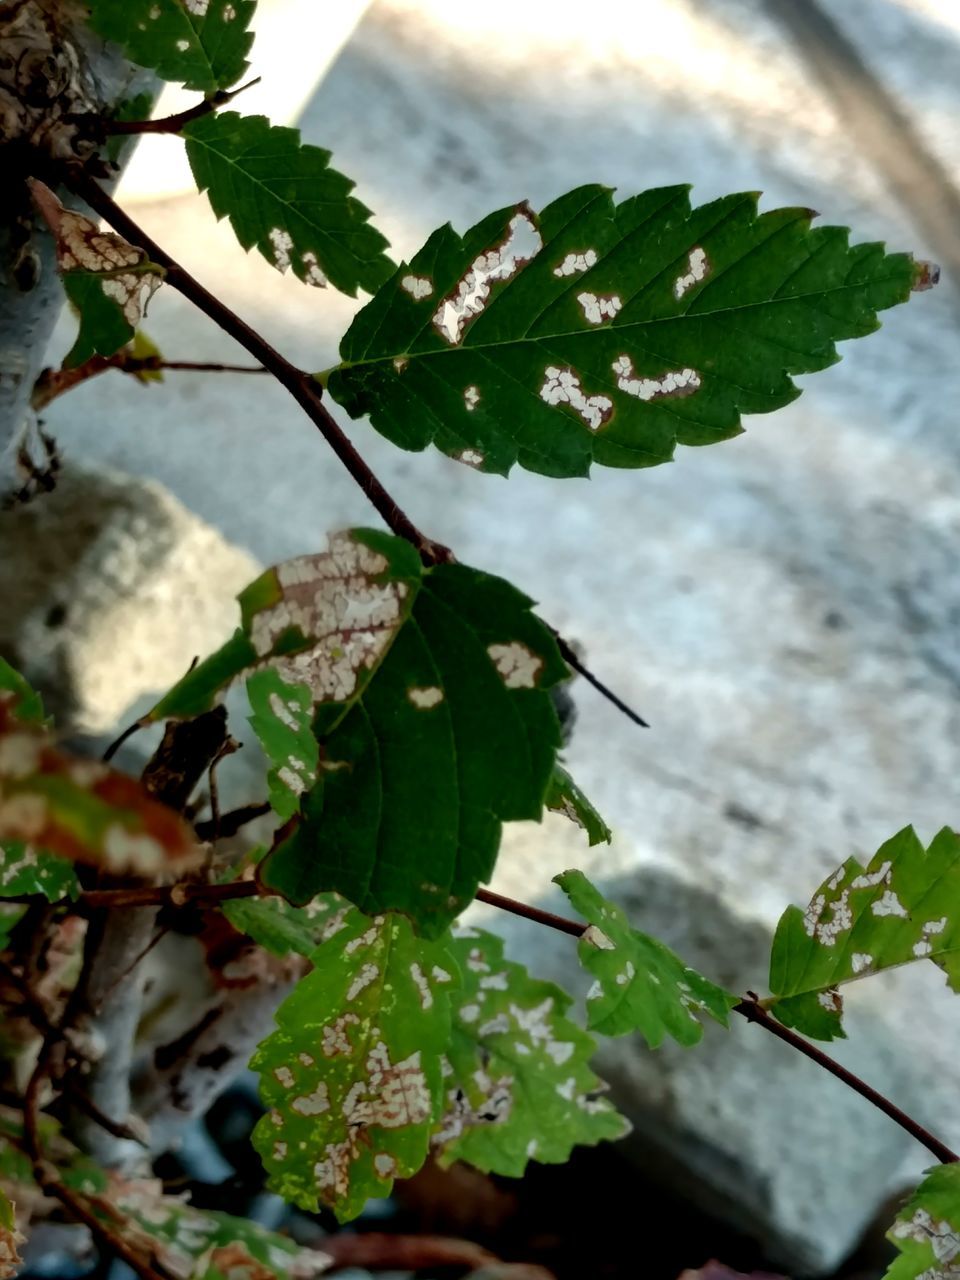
point(175, 123)
point(301, 385)
point(230, 823)
point(57, 382)
point(173, 895)
point(753, 1011)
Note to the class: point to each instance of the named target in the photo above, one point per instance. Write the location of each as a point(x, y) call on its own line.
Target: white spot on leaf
point(417, 286)
point(471, 398)
point(599, 307)
point(597, 938)
point(282, 242)
point(424, 697)
point(562, 386)
point(368, 973)
point(888, 905)
point(675, 382)
point(312, 1104)
point(471, 457)
point(698, 267)
point(574, 263)
point(860, 960)
point(518, 665)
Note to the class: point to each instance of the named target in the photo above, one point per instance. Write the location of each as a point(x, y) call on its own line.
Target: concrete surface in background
point(783, 608)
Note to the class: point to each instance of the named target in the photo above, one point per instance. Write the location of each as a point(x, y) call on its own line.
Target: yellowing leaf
point(108, 280)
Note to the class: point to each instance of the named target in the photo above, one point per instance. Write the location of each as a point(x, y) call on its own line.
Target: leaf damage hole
point(521, 244)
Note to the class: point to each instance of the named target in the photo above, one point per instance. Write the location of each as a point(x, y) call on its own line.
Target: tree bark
point(53, 72)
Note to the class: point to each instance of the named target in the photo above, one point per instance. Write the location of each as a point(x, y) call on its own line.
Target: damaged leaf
point(927, 1230)
point(201, 44)
point(282, 196)
point(518, 1084)
point(351, 1077)
point(640, 984)
point(108, 280)
point(903, 906)
point(80, 809)
point(453, 734)
point(609, 334)
point(283, 721)
point(283, 929)
point(23, 869)
point(322, 621)
point(564, 796)
point(206, 1244)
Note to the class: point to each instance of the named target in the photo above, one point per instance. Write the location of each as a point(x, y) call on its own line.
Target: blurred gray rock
point(110, 587)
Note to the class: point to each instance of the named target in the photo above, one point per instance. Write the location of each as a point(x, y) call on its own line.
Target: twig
point(572, 659)
point(753, 1011)
point(57, 382)
point(174, 123)
point(231, 822)
point(301, 385)
point(528, 912)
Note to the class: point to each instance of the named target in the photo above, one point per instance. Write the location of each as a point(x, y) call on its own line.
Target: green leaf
point(352, 1076)
point(519, 1085)
point(282, 928)
point(24, 869)
point(927, 1230)
point(202, 44)
point(305, 616)
point(641, 985)
point(26, 702)
point(10, 1237)
point(282, 196)
point(903, 906)
point(454, 734)
point(609, 334)
point(141, 348)
point(564, 796)
point(78, 809)
point(283, 721)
